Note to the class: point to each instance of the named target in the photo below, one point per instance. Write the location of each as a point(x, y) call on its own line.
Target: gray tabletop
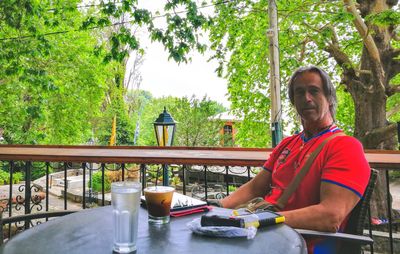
point(91, 231)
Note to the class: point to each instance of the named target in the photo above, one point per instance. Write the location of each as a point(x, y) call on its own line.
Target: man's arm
point(336, 203)
point(256, 187)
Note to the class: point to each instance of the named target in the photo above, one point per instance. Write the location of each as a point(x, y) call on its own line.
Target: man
point(338, 176)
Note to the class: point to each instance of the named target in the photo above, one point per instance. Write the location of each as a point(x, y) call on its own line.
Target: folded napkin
point(199, 209)
point(227, 232)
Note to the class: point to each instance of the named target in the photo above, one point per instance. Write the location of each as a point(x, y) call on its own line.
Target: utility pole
point(276, 110)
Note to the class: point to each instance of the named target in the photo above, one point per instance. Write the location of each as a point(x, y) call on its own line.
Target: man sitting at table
point(337, 178)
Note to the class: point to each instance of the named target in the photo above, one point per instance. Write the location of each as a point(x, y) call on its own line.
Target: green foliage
point(345, 111)
point(39, 172)
point(52, 87)
point(394, 175)
point(18, 177)
point(306, 30)
point(96, 182)
point(385, 18)
point(194, 127)
point(5, 177)
point(175, 180)
point(232, 188)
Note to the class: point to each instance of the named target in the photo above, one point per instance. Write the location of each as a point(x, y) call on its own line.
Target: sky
point(163, 78)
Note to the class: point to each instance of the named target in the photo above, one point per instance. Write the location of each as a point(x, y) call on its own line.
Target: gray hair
point(329, 89)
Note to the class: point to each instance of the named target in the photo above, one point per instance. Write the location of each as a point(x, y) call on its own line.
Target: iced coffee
point(158, 202)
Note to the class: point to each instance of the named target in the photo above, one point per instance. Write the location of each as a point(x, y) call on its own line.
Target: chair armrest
point(360, 239)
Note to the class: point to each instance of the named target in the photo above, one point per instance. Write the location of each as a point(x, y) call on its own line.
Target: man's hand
point(214, 202)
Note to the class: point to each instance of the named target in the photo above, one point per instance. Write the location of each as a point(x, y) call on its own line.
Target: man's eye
point(298, 92)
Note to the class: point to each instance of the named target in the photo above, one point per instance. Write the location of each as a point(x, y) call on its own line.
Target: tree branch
point(303, 50)
point(369, 44)
point(393, 111)
point(378, 135)
point(343, 60)
point(363, 30)
point(393, 89)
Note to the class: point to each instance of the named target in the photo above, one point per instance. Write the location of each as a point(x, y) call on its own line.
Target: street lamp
point(164, 127)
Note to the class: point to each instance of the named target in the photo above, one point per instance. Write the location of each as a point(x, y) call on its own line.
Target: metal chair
point(352, 239)
point(27, 218)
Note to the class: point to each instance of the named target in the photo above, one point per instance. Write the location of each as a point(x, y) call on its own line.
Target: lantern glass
point(164, 134)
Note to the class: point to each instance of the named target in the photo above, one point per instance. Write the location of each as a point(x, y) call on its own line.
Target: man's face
point(309, 98)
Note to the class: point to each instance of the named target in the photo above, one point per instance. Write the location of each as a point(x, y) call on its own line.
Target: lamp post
point(164, 127)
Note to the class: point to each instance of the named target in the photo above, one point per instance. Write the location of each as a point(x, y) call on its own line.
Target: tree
point(53, 82)
point(357, 42)
point(194, 127)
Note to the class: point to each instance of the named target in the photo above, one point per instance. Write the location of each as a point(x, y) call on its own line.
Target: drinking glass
point(158, 202)
point(125, 199)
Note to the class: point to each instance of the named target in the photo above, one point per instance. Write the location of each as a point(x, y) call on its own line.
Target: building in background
point(228, 129)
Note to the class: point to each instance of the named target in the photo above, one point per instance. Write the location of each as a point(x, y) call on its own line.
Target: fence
point(82, 174)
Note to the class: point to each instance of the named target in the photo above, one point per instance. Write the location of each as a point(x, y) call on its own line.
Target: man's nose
point(308, 96)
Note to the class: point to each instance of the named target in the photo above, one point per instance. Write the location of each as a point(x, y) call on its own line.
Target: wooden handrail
point(166, 155)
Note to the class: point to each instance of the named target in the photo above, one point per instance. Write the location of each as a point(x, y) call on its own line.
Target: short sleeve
point(346, 164)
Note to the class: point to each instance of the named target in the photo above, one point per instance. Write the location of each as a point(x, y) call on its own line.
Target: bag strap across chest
point(287, 193)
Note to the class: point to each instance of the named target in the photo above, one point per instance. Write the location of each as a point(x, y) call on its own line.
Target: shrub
point(5, 177)
point(232, 188)
point(96, 182)
point(39, 172)
point(17, 177)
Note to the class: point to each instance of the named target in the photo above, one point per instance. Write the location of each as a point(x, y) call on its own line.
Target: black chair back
point(356, 222)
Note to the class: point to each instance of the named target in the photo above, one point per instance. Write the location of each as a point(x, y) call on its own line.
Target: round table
point(91, 231)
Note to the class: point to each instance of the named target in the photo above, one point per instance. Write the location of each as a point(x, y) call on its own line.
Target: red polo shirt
point(341, 162)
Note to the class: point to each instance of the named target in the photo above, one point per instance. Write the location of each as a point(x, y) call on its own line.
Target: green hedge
point(96, 182)
point(5, 177)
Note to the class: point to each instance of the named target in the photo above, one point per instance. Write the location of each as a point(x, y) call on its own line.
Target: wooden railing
point(216, 171)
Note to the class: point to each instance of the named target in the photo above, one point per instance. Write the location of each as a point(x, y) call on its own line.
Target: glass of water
point(125, 199)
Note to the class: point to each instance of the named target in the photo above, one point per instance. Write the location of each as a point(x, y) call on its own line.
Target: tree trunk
point(370, 88)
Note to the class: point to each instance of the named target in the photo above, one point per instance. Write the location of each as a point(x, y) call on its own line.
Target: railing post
point(10, 192)
point(165, 175)
point(27, 191)
point(102, 184)
point(205, 182)
point(371, 246)
point(84, 187)
point(143, 172)
point(123, 171)
point(227, 179)
point(389, 207)
point(184, 179)
point(65, 185)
